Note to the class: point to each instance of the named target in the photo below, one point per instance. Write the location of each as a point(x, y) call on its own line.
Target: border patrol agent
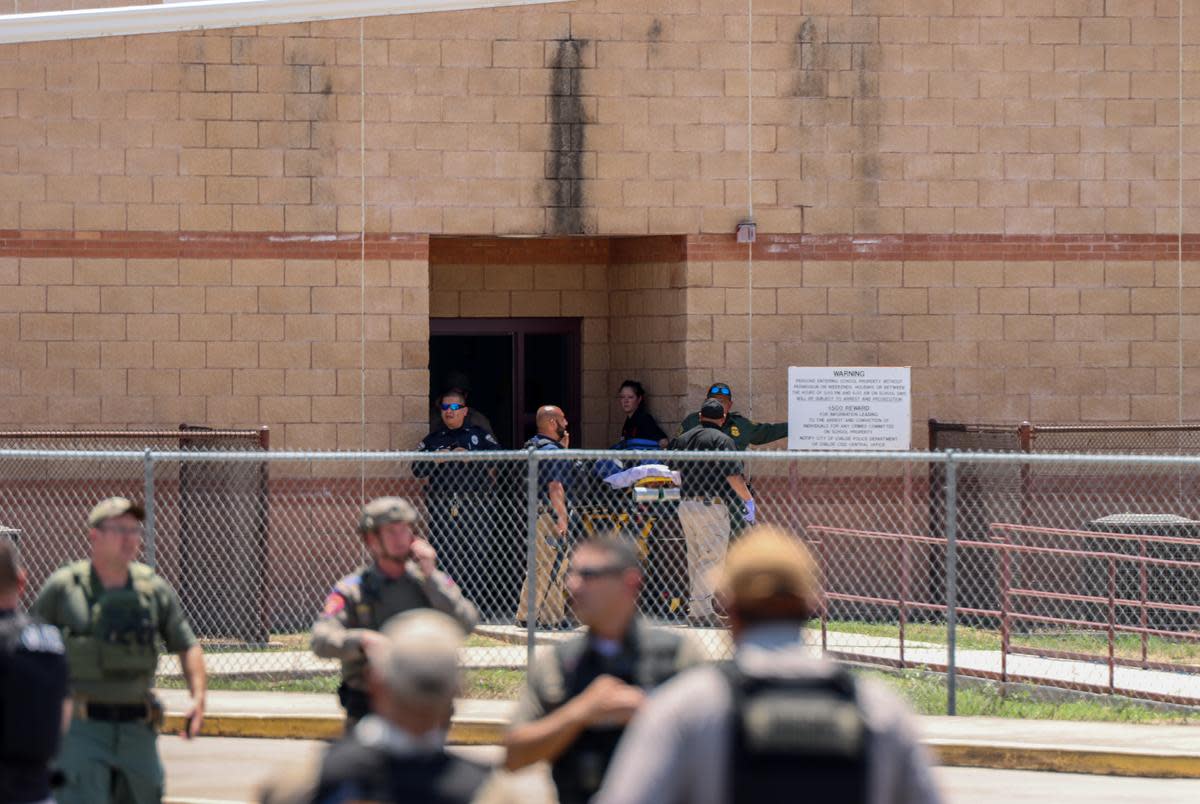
point(33, 691)
point(776, 724)
point(458, 497)
point(112, 611)
point(582, 693)
point(553, 524)
point(743, 431)
point(402, 576)
point(710, 490)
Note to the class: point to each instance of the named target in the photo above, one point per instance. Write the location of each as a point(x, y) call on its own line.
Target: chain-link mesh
point(1064, 574)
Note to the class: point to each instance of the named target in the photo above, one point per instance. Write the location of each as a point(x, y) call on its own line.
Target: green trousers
point(110, 762)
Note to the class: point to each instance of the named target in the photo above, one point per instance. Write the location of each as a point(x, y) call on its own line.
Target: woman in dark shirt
point(638, 421)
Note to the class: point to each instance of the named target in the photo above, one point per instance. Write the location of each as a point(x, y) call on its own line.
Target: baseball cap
point(418, 656)
point(712, 409)
point(769, 569)
point(383, 510)
point(114, 506)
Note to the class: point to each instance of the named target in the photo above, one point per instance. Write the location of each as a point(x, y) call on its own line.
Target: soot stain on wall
point(568, 133)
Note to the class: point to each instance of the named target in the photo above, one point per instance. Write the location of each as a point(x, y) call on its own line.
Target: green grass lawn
point(1128, 646)
point(496, 684)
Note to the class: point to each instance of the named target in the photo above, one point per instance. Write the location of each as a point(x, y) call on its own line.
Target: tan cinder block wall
point(101, 343)
point(537, 291)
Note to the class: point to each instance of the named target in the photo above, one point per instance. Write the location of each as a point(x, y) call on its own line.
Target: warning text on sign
point(849, 408)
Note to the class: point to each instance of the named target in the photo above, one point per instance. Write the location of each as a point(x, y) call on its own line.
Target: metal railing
point(1086, 580)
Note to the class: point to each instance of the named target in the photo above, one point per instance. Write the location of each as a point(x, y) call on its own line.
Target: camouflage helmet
point(383, 510)
point(112, 507)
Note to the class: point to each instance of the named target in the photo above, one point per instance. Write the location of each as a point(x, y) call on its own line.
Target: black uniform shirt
point(640, 424)
point(706, 478)
point(451, 476)
point(33, 686)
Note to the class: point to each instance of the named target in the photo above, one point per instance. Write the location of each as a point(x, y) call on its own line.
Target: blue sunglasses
point(720, 390)
point(453, 406)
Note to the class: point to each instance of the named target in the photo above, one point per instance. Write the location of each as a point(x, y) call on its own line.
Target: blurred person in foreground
point(582, 692)
point(34, 702)
point(113, 612)
point(402, 575)
point(776, 722)
point(397, 752)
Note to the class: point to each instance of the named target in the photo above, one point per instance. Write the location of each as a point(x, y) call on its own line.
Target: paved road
point(220, 770)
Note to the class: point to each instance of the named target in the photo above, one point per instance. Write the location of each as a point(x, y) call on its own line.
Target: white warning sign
point(849, 408)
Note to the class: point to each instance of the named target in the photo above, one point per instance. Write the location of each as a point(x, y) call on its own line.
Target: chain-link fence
point(1081, 576)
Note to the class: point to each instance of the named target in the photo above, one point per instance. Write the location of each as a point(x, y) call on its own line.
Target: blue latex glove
point(749, 511)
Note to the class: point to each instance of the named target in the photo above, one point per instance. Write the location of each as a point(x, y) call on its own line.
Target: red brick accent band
point(928, 248)
point(209, 245)
point(594, 250)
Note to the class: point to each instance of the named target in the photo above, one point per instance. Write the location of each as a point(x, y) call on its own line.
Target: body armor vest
point(119, 640)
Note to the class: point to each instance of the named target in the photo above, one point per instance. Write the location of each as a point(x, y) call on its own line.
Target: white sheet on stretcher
point(629, 477)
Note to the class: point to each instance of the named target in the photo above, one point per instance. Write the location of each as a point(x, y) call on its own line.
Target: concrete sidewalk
point(1074, 747)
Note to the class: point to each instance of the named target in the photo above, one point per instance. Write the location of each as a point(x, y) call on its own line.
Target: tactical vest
point(580, 769)
point(403, 593)
point(33, 684)
point(119, 640)
point(793, 736)
point(355, 772)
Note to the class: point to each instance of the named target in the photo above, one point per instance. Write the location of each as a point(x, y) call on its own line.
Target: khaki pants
point(551, 556)
point(706, 530)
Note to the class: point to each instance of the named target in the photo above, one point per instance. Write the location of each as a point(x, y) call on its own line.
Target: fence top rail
point(751, 457)
point(1000, 528)
point(33, 435)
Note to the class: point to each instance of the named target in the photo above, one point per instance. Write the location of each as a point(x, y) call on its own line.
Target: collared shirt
point(677, 748)
point(743, 431)
point(705, 478)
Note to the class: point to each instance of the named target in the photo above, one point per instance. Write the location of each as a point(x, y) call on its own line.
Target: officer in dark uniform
point(402, 576)
point(710, 489)
point(458, 497)
point(34, 699)
point(582, 693)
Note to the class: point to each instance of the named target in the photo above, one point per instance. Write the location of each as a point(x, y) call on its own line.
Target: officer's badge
point(734, 431)
point(333, 604)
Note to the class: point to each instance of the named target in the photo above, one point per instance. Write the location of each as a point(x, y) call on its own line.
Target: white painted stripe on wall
point(196, 15)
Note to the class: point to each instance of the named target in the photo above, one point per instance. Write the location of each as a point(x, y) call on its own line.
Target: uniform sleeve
point(333, 636)
point(531, 705)
point(423, 468)
point(174, 628)
point(47, 606)
point(762, 433)
point(445, 596)
point(689, 421)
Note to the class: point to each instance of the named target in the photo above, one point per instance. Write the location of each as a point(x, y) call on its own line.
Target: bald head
point(551, 422)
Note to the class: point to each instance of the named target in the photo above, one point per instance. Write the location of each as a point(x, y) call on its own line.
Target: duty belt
point(116, 713)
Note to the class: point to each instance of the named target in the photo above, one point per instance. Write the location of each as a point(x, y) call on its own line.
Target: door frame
point(518, 328)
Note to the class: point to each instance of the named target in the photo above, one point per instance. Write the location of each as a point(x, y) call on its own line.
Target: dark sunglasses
point(453, 406)
point(591, 573)
point(720, 390)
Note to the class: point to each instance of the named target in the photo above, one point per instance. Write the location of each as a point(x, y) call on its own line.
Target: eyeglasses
point(453, 406)
point(591, 573)
point(123, 530)
point(720, 390)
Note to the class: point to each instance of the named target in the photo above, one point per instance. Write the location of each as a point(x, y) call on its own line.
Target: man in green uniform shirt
point(112, 611)
point(743, 431)
point(402, 576)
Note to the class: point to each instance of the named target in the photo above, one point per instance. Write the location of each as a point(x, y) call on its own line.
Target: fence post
point(531, 517)
point(148, 507)
point(951, 581)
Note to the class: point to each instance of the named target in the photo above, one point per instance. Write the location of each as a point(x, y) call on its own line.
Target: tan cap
point(769, 569)
point(383, 510)
point(418, 656)
point(114, 506)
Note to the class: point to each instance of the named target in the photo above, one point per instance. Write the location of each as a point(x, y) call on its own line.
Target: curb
point(962, 754)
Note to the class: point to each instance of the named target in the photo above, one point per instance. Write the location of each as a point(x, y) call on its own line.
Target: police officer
point(553, 523)
point(402, 575)
point(709, 489)
point(743, 431)
point(112, 611)
point(581, 694)
point(457, 496)
point(34, 703)
point(775, 724)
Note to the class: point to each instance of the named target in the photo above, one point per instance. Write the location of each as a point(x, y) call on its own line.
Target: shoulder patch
point(735, 431)
point(491, 439)
point(333, 604)
point(474, 439)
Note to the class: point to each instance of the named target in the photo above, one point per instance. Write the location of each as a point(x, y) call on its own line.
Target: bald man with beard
point(552, 523)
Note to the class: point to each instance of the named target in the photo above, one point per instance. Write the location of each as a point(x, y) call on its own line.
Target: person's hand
point(193, 719)
point(611, 702)
point(751, 511)
point(560, 527)
point(565, 440)
point(425, 556)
